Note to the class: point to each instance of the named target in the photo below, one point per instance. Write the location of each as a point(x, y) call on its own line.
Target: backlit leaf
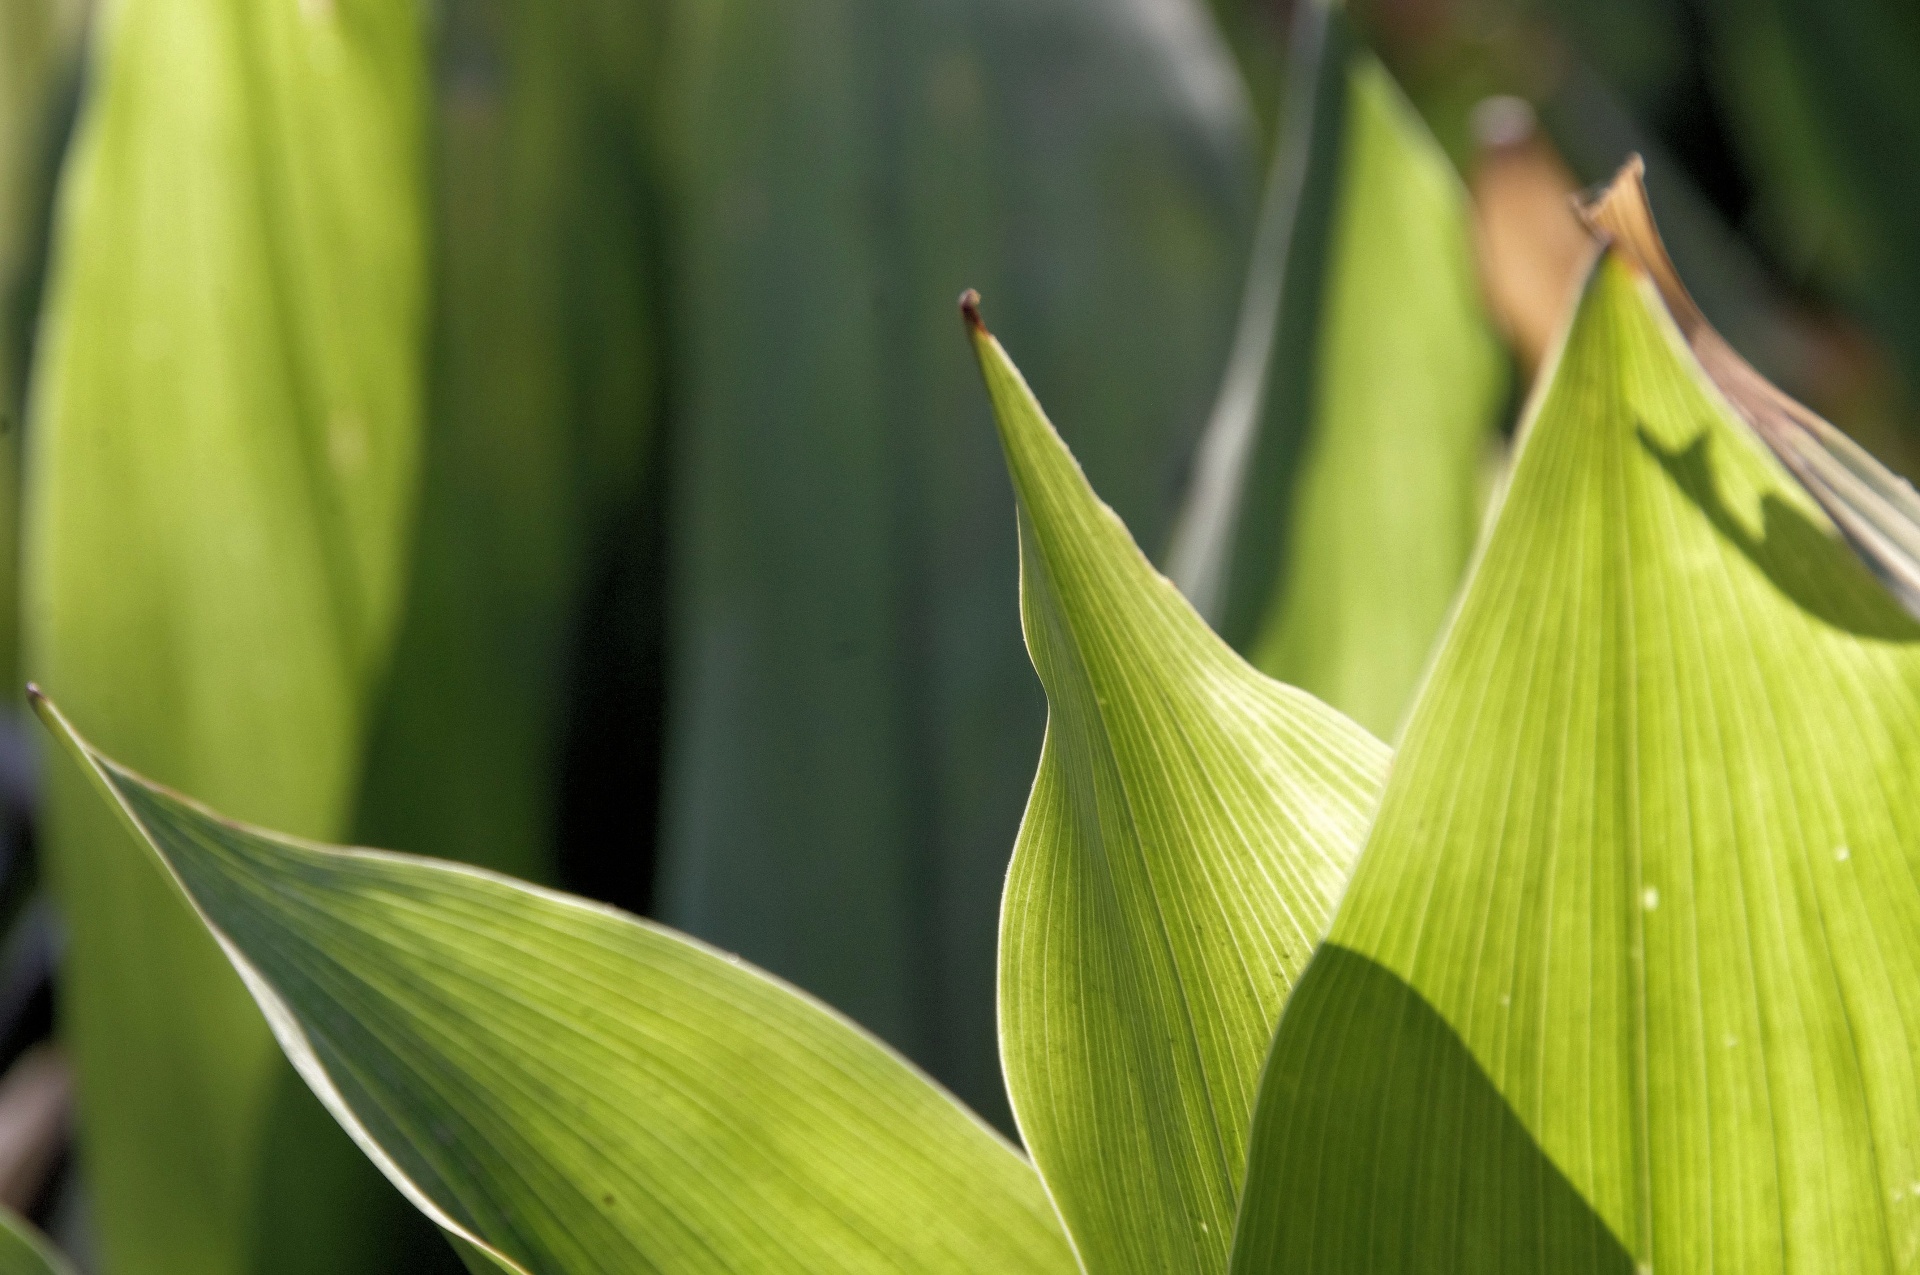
point(1625, 976)
point(567, 1089)
point(1190, 828)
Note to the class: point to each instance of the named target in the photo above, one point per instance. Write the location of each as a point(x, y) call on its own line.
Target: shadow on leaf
point(1380, 1145)
point(1814, 569)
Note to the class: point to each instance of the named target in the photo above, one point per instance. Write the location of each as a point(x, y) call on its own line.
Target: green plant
point(367, 332)
point(1607, 969)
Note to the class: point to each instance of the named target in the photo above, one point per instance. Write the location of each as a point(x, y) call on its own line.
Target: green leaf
point(1819, 97)
point(1877, 511)
point(1337, 491)
point(852, 719)
point(225, 423)
point(1190, 828)
point(24, 1251)
point(565, 1088)
point(1623, 980)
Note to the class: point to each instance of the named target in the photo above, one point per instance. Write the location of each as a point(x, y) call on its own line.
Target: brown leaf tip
point(1622, 216)
point(1618, 205)
point(970, 311)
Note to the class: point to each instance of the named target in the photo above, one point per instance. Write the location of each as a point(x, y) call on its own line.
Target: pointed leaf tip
point(970, 312)
point(1175, 781)
point(420, 971)
point(1876, 510)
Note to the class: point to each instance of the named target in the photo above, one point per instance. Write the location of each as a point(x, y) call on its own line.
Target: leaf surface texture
point(1190, 828)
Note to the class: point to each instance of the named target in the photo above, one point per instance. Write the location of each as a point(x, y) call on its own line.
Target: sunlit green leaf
point(1624, 979)
point(565, 1088)
point(24, 1251)
point(1190, 828)
point(1876, 510)
point(853, 722)
point(1336, 493)
point(224, 435)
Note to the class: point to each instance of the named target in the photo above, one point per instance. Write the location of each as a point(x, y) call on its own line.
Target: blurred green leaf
point(1823, 103)
point(852, 722)
point(24, 1251)
point(542, 401)
point(568, 1089)
point(1623, 978)
point(1337, 491)
point(225, 426)
point(39, 54)
point(39, 44)
point(1256, 31)
point(1191, 827)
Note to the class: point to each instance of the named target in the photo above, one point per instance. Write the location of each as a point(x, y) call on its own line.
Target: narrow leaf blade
point(567, 1089)
point(1190, 827)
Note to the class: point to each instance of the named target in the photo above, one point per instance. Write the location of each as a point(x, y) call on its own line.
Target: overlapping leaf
point(1337, 490)
point(224, 435)
point(567, 1089)
point(1191, 825)
point(1625, 976)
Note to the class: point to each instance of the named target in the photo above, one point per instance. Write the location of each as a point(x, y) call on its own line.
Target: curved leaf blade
point(1623, 977)
point(565, 1088)
point(1190, 827)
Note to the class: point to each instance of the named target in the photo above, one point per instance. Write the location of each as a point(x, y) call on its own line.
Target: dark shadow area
point(609, 798)
point(1380, 1145)
point(1814, 570)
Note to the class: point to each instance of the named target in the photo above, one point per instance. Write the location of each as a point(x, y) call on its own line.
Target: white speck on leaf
point(1650, 898)
point(346, 440)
